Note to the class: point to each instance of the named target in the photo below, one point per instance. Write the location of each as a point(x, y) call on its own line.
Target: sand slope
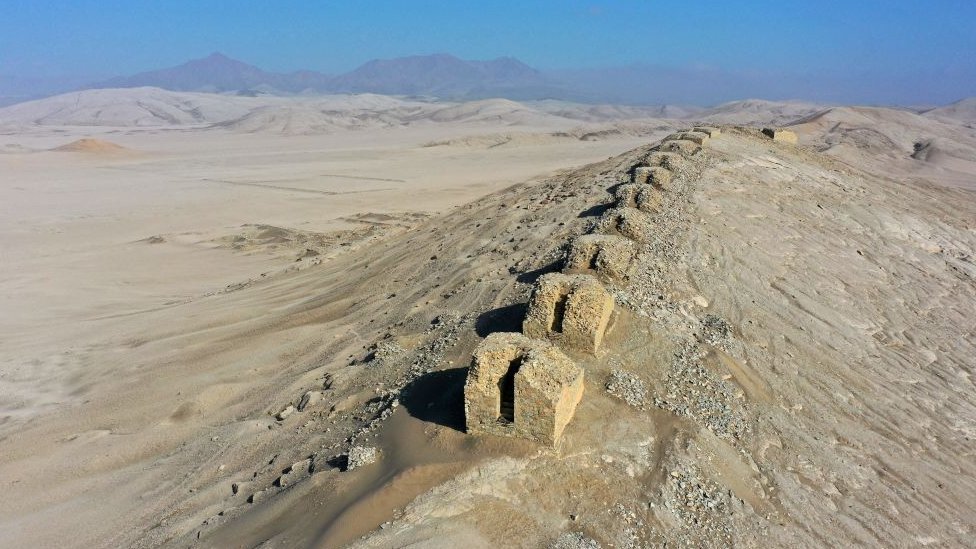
point(800, 320)
point(881, 138)
point(757, 112)
point(961, 112)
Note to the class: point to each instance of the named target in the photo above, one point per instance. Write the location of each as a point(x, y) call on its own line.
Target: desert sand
point(208, 303)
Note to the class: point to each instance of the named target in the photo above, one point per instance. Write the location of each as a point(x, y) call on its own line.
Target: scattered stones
point(776, 134)
point(574, 540)
point(627, 387)
point(360, 456)
point(521, 387)
point(715, 330)
point(701, 506)
point(571, 309)
point(692, 390)
point(383, 352)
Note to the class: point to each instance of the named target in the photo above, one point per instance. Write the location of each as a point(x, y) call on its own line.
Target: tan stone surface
point(547, 388)
point(643, 197)
point(708, 130)
point(571, 309)
point(628, 222)
point(680, 146)
point(655, 175)
point(777, 134)
point(608, 256)
point(701, 138)
point(665, 159)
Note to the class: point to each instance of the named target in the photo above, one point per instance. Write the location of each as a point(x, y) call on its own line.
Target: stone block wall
point(607, 256)
point(573, 310)
point(521, 387)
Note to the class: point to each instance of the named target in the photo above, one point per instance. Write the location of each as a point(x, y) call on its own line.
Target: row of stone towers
point(522, 384)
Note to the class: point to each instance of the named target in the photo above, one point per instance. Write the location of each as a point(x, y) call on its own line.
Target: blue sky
point(891, 40)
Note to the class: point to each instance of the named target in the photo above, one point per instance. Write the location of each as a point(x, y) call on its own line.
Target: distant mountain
point(219, 73)
point(446, 76)
point(440, 75)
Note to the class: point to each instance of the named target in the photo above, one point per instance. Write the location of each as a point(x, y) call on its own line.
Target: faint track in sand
point(294, 189)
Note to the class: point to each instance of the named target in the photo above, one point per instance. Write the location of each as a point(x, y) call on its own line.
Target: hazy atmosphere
point(560, 275)
point(701, 53)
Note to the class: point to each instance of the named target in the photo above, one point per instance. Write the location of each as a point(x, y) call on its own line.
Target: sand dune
point(757, 112)
point(127, 107)
point(873, 136)
point(150, 107)
point(92, 146)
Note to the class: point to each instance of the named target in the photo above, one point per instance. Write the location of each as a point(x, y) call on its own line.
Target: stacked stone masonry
point(708, 130)
point(521, 387)
point(627, 222)
point(608, 256)
point(654, 175)
point(643, 197)
point(573, 310)
point(680, 146)
point(785, 136)
point(669, 160)
point(699, 138)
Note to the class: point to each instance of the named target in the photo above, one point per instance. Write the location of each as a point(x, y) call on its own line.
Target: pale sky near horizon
point(891, 39)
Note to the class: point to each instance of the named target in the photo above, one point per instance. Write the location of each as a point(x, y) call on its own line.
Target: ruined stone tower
point(609, 256)
point(573, 310)
point(521, 387)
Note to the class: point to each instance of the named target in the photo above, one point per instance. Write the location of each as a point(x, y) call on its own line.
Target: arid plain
point(177, 269)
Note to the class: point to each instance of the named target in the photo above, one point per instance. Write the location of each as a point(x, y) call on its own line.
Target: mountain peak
point(439, 74)
point(218, 59)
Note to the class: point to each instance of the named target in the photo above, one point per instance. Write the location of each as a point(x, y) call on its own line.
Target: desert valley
point(248, 321)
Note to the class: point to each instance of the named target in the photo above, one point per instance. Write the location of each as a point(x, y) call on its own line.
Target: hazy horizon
point(866, 52)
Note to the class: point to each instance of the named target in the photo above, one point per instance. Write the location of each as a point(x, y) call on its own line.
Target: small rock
point(238, 486)
point(360, 456)
point(294, 473)
point(287, 411)
point(311, 398)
